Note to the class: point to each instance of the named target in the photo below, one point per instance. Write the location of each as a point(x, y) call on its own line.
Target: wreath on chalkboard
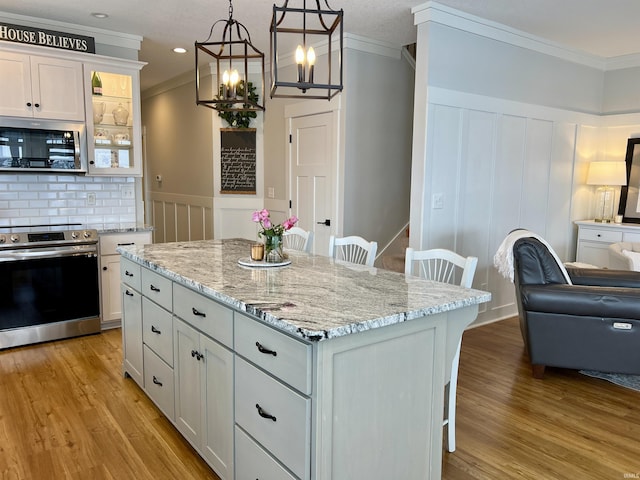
point(240, 119)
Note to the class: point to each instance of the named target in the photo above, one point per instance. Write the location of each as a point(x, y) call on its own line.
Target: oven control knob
point(3, 239)
point(74, 235)
point(15, 238)
point(86, 234)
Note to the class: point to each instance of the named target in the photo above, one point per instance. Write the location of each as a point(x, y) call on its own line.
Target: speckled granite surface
point(314, 298)
point(120, 227)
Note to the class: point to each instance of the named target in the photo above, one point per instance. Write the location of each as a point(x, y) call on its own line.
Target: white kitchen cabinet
point(41, 87)
point(114, 133)
point(204, 396)
point(594, 239)
point(110, 298)
point(132, 361)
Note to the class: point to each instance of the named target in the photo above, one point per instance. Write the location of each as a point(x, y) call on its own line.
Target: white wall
point(378, 118)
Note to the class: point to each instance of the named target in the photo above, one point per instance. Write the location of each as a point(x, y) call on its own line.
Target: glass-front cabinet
point(113, 120)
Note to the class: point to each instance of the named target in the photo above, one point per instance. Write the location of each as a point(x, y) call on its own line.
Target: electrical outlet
point(437, 201)
point(91, 199)
point(271, 192)
point(127, 192)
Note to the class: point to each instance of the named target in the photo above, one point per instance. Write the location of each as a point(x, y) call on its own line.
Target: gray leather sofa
point(593, 324)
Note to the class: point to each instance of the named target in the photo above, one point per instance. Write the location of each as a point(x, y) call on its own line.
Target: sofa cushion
point(635, 258)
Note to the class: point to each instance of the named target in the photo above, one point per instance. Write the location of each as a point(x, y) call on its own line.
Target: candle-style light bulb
point(225, 84)
point(311, 60)
point(300, 62)
point(233, 81)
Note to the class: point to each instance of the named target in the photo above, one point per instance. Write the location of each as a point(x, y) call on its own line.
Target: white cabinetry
point(110, 298)
point(41, 87)
point(114, 134)
point(132, 351)
point(594, 239)
point(204, 377)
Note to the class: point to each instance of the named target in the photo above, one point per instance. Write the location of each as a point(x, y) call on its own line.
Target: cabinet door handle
point(37, 105)
point(264, 414)
point(198, 356)
point(156, 381)
point(198, 313)
point(28, 104)
point(154, 329)
point(266, 351)
point(127, 292)
point(154, 288)
point(128, 273)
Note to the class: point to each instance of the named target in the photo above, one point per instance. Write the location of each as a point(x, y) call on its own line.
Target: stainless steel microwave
point(29, 145)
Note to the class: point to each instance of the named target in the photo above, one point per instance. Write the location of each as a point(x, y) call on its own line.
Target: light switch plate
point(127, 192)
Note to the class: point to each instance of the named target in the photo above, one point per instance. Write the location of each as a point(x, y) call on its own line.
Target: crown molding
point(435, 12)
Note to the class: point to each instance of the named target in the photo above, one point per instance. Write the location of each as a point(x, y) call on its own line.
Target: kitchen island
point(316, 370)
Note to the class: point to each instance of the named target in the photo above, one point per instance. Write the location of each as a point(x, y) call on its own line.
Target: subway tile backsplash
point(34, 199)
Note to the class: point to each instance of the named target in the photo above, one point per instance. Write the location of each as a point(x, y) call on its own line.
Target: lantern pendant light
point(232, 56)
point(316, 75)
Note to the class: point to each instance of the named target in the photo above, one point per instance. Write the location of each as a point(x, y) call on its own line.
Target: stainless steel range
point(48, 283)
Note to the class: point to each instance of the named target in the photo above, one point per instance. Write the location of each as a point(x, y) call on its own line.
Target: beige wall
point(178, 147)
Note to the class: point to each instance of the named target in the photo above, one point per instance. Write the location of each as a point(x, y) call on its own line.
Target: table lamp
point(606, 175)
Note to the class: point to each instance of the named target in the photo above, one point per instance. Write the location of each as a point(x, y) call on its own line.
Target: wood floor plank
point(66, 412)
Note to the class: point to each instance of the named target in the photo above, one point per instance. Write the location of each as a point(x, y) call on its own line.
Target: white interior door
point(312, 183)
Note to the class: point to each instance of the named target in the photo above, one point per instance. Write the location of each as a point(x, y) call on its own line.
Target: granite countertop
point(120, 228)
point(314, 297)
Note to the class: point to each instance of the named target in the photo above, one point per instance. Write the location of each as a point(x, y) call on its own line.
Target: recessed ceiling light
point(99, 15)
point(180, 50)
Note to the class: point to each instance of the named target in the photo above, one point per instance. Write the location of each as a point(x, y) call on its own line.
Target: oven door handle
point(38, 254)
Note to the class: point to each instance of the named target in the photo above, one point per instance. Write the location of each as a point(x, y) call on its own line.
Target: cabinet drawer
point(631, 237)
point(110, 241)
point(157, 288)
point(157, 330)
point(285, 357)
point(158, 382)
point(130, 273)
point(205, 314)
point(253, 462)
point(600, 235)
point(287, 434)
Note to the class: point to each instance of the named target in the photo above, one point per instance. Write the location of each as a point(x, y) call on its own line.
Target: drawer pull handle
point(264, 414)
point(266, 351)
point(198, 313)
point(128, 273)
point(196, 354)
point(125, 244)
point(154, 329)
point(127, 292)
point(154, 288)
point(156, 381)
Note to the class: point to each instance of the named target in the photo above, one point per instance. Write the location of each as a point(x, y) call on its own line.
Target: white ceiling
point(606, 28)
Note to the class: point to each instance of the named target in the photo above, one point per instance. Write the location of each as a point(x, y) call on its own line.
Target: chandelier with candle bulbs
point(233, 57)
point(313, 68)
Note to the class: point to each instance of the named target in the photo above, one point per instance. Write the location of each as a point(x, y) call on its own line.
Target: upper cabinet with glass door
point(113, 120)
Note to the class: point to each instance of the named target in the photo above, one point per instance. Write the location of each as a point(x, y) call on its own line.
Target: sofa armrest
point(582, 300)
point(604, 277)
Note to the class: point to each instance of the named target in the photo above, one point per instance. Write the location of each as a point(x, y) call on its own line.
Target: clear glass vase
point(273, 249)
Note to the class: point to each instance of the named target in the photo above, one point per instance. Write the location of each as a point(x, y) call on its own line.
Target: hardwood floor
point(67, 413)
point(510, 425)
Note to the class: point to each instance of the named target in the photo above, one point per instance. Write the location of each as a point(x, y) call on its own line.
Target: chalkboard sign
point(238, 160)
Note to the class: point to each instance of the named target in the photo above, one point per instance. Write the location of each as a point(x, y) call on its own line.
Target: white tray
point(247, 262)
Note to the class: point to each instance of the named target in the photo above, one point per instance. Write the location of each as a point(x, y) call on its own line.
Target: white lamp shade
point(607, 173)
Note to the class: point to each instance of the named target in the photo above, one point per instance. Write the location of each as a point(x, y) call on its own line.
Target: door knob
point(327, 222)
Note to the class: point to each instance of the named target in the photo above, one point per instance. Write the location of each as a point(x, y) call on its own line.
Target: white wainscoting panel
point(180, 218)
point(496, 166)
